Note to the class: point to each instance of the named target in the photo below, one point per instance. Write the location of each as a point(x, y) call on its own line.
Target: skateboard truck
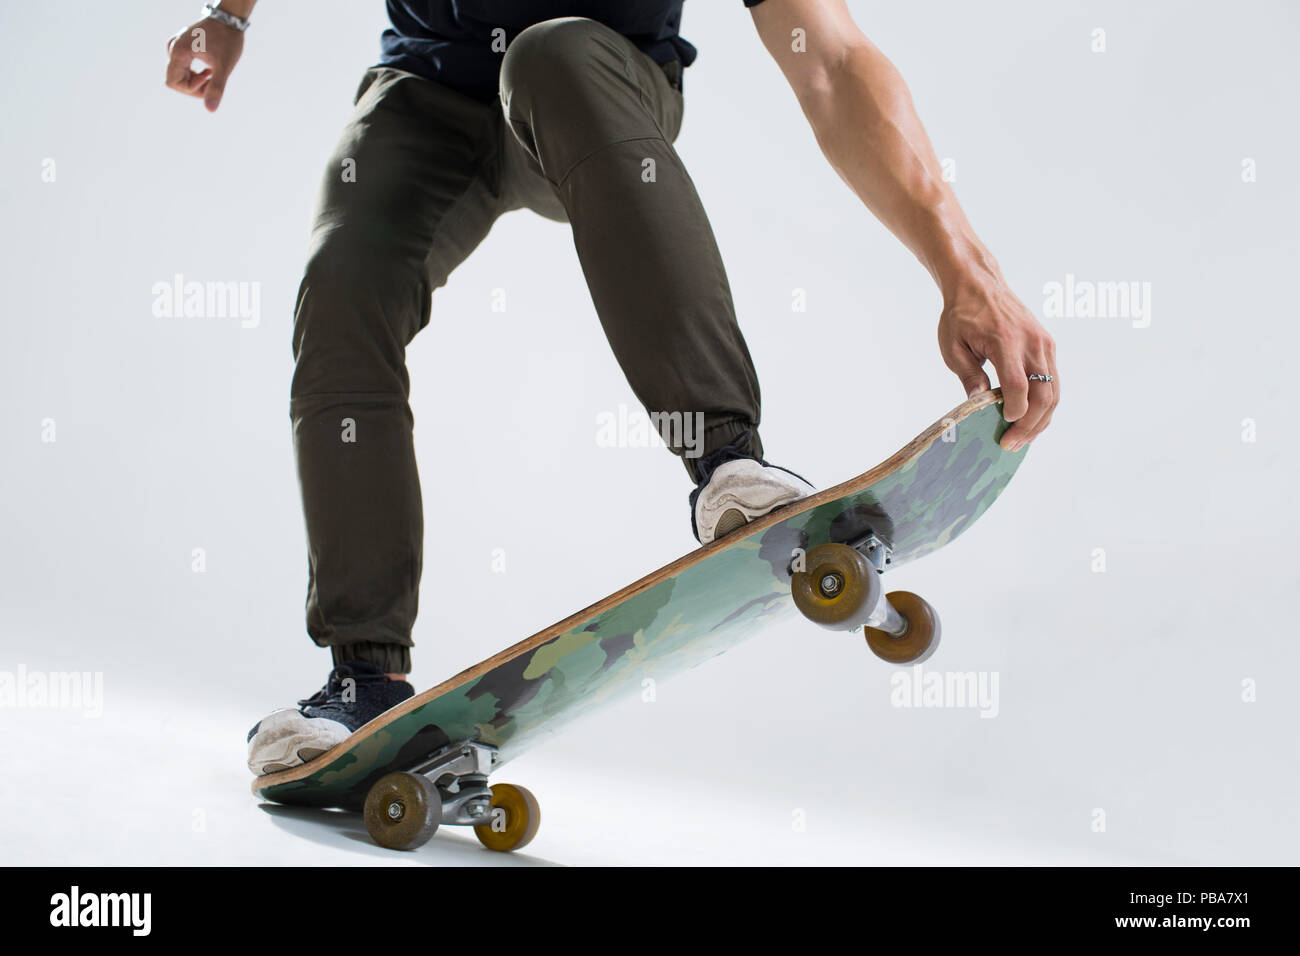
point(839, 588)
point(880, 554)
point(404, 809)
point(460, 771)
point(875, 548)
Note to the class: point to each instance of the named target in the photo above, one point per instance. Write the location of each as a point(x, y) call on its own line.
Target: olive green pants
point(582, 134)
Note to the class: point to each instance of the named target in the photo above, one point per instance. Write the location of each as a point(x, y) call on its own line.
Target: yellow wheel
point(516, 815)
point(402, 811)
point(918, 642)
point(838, 589)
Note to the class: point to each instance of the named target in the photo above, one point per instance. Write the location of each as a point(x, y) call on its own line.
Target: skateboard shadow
point(340, 829)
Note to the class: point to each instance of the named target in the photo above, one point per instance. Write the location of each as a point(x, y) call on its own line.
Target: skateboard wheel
point(516, 815)
point(402, 811)
point(918, 642)
point(838, 589)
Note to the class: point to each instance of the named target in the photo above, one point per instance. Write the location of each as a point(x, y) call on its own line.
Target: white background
point(1121, 691)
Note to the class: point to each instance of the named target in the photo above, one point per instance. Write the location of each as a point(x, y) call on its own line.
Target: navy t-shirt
point(451, 41)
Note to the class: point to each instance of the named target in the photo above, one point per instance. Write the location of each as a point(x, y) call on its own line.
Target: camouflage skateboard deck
point(681, 615)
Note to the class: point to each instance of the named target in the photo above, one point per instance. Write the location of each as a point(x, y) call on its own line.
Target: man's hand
point(983, 321)
point(213, 44)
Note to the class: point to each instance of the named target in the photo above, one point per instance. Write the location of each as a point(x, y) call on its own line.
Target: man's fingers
point(178, 70)
point(1040, 403)
point(193, 84)
point(212, 94)
point(1040, 406)
point(968, 367)
point(1052, 396)
point(1055, 373)
point(974, 380)
point(1015, 391)
point(1048, 392)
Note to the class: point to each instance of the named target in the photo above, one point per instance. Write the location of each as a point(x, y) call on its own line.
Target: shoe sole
point(732, 519)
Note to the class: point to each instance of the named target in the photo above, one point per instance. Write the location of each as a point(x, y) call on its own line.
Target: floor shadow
point(450, 846)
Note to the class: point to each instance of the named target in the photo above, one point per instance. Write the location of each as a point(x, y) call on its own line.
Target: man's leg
point(408, 194)
point(598, 117)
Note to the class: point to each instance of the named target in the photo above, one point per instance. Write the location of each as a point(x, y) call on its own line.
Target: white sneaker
point(355, 693)
point(736, 491)
point(286, 738)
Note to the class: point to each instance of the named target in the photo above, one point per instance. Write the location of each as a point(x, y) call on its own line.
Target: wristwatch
point(213, 11)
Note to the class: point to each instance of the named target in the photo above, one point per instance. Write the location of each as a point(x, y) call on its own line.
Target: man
point(478, 107)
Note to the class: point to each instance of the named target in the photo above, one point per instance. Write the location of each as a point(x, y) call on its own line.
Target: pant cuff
point(393, 658)
point(719, 434)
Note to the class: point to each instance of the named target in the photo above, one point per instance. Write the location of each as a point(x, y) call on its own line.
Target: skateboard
point(425, 763)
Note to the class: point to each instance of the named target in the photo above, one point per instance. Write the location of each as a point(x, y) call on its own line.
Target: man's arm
point(218, 52)
point(862, 115)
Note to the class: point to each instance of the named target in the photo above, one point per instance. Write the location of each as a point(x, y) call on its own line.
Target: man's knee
point(358, 308)
point(549, 54)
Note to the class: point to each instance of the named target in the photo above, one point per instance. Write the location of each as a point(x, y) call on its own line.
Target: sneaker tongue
point(362, 672)
point(337, 676)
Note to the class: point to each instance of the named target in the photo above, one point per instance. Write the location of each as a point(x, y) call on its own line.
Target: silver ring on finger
point(1040, 378)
